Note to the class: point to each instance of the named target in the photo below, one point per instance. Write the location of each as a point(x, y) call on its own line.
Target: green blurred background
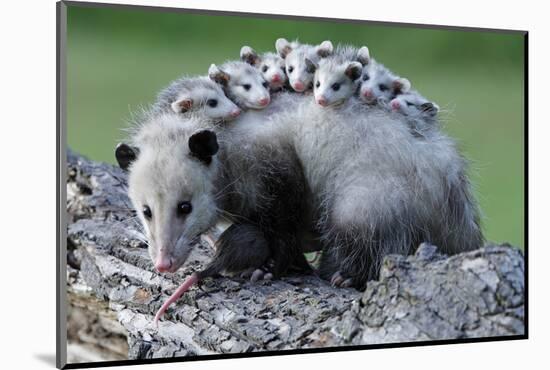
point(118, 59)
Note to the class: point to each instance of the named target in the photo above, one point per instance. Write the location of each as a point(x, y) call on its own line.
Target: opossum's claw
point(336, 279)
point(347, 283)
point(187, 283)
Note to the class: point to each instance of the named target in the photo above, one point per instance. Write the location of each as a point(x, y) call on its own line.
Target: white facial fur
point(270, 65)
point(413, 104)
point(160, 182)
point(378, 84)
point(299, 75)
point(242, 83)
point(208, 100)
point(335, 82)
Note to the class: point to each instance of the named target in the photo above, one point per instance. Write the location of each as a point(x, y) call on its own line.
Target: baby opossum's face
point(380, 85)
point(270, 65)
point(334, 83)
point(414, 105)
point(209, 101)
point(300, 76)
point(243, 84)
point(172, 191)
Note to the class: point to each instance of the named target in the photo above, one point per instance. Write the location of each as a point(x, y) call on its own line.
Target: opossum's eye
point(212, 103)
point(264, 69)
point(184, 208)
point(366, 77)
point(318, 84)
point(335, 86)
point(147, 212)
point(290, 69)
point(265, 84)
point(409, 104)
point(383, 87)
point(246, 87)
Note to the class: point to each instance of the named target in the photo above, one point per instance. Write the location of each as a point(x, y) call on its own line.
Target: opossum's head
point(414, 105)
point(270, 65)
point(378, 84)
point(300, 76)
point(336, 78)
point(242, 83)
point(206, 98)
point(171, 186)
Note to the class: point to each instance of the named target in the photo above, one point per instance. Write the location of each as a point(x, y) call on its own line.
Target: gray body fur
point(354, 174)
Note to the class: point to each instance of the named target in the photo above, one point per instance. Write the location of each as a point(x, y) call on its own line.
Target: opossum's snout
point(164, 263)
point(264, 101)
point(322, 101)
point(368, 95)
point(299, 86)
point(395, 105)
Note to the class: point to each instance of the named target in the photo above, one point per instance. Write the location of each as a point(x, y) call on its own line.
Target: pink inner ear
point(186, 104)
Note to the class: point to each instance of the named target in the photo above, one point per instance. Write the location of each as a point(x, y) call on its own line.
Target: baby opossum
point(271, 65)
point(412, 104)
point(199, 96)
point(379, 85)
point(242, 83)
point(337, 76)
point(185, 176)
point(300, 76)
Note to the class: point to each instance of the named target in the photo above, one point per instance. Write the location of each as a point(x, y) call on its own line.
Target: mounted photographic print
point(236, 185)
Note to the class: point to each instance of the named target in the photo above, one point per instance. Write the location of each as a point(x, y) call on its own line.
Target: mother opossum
point(355, 175)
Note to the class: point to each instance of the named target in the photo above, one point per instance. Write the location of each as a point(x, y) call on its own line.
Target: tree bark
point(427, 296)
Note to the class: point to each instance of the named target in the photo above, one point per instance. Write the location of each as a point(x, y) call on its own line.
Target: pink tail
point(184, 287)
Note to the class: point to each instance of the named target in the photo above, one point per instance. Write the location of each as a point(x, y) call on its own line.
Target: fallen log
point(426, 296)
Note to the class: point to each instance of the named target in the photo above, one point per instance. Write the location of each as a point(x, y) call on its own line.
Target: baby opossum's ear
point(401, 85)
point(125, 155)
point(203, 145)
point(354, 70)
point(182, 105)
point(249, 56)
point(431, 108)
point(324, 49)
point(217, 75)
point(311, 66)
point(283, 47)
point(363, 55)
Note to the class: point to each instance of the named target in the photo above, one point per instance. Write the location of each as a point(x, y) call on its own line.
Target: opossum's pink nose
point(235, 112)
point(368, 94)
point(395, 104)
point(298, 86)
point(276, 78)
point(322, 101)
point(163, 264)
point(264, 101)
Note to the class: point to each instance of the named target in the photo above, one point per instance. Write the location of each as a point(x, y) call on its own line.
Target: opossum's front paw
point(257, 274)
point(340, 280)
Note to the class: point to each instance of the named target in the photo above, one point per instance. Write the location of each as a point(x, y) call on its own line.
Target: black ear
point(429, 108)
point(203, 145)
point(125, 155)
point(311, 66)
point(354, 70)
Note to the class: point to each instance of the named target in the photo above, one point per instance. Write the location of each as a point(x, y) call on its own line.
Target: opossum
point(199, 96)
point(379, 85)
point(300, 76)
point(188, 173)
point(421, 114)
point(242, 83)
point(271, 65)
point(337, 76)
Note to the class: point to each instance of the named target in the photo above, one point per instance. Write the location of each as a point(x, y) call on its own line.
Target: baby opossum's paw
point(339, 280)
